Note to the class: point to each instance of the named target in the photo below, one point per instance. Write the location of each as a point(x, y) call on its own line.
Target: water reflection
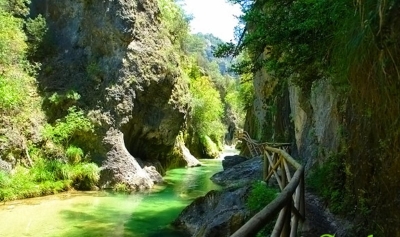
point(105, 214)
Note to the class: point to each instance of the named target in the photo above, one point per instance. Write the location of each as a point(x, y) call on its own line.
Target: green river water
point(106, 214)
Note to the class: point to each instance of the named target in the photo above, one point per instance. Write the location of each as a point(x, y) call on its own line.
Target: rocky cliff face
point(310, 120)
point(316, 121)
point(116, 56)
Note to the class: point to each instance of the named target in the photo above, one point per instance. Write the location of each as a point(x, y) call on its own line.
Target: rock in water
point(153, 174)
point(230, 161)
point(244, 172)
point(217, 214)
point(189, 158)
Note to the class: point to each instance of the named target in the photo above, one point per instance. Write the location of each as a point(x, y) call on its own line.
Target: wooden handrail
point(290, 202)
point(258, 221)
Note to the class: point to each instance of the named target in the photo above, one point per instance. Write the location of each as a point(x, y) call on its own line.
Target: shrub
point(175, 22)
point(4, 179)
point(40, 171)
point(12, 40)
point(75, 123)
point(260, 196)
point(70, 97)
point(85, 175)
point(15, 7)
point(74, 154)
point(47, 177)
point(10, 93)
point(35, 30)
point(121, 187)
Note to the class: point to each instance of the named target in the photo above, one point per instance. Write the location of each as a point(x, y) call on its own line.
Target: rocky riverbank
point(221, 213)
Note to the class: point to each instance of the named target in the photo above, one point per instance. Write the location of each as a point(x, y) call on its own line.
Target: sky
point(212, 16)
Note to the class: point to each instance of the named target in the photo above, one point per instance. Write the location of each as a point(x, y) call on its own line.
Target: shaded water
point(106, 214)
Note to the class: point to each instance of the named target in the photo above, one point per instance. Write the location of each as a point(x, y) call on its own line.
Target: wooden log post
point(280, 222)
point(266, 166)
point(288, 217)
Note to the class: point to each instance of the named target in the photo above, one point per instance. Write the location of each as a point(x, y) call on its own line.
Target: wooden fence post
point(288, 218)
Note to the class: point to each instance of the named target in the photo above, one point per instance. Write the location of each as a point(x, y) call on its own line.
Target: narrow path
point(319, 220)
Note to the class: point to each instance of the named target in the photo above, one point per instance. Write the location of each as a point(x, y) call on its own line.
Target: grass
point(47, 177)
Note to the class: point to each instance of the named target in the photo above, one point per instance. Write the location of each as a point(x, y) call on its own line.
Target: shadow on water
point(104, 214)
point(102, 222)
point(144, 214)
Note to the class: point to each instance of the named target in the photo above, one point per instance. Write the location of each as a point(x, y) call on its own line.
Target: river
point(104, 213)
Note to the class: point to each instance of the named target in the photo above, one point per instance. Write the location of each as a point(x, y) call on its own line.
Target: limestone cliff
point(310, 121)
point(346, 107)
point(116, 56)
point(316, 121)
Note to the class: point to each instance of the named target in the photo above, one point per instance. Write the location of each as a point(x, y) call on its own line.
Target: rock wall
point(311, 121)
point(116, 55)
point(316, 122)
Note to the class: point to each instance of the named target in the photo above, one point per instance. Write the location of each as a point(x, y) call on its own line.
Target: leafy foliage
point(10, 95)
point(74, 124)
point(175, 21)
point(12, 40)
point(287, 37)
point(36, 30)
point(207, 108)
point(74, 154)
point(260, 196)
point(15, 7)
point(19, 102)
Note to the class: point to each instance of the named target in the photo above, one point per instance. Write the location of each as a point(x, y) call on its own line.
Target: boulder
point(153, 174)
point(242, 173)
point(121, 167)
point(188, 157)
point(230, 161)
point(217, 214)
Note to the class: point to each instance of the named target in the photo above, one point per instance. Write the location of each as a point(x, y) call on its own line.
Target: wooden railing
point(278, 164)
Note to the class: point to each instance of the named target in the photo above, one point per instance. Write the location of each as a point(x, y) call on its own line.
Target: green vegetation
point(353, 45)
point(47, 158)
point(36, 30)
point(175, 22)
point(121, 188)
point(14, 81)
point(260, 196)
point(328, 182)
point(214, 91)
point(207, 110)
point(289, 38)
point(71, 128)
point(46, 177)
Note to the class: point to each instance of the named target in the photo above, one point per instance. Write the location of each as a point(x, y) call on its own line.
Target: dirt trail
point(320, 221)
